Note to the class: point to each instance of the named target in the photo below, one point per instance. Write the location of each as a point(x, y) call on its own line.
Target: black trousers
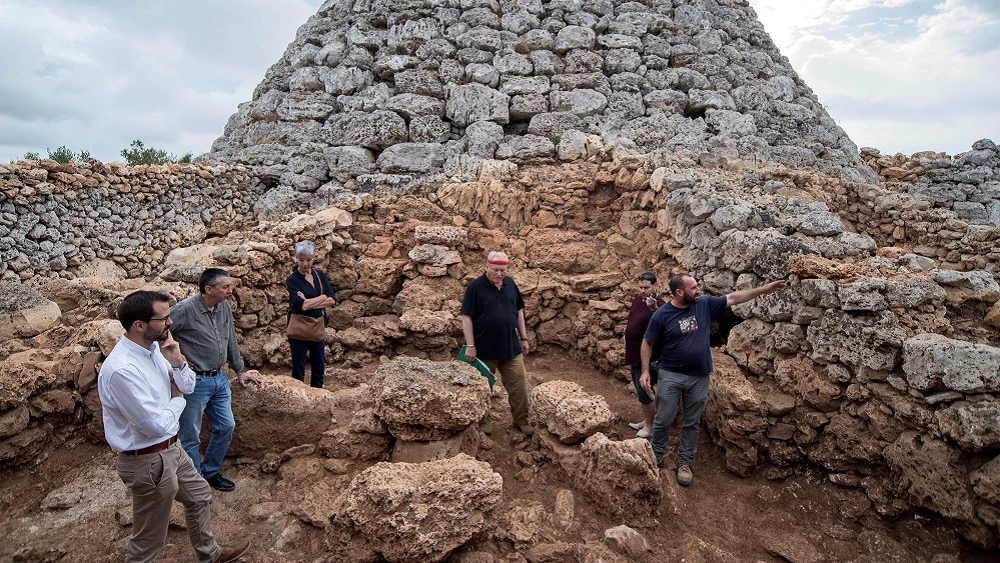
point(315, 354)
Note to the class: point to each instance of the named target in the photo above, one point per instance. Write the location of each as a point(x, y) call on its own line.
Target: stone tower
point(389, 93)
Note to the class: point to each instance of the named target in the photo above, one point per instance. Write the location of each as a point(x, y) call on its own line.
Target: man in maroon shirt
point(638, 319)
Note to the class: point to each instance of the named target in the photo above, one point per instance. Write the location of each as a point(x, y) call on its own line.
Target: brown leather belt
point(154, 448)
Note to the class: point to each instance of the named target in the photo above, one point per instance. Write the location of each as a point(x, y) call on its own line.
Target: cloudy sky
point(899, 75)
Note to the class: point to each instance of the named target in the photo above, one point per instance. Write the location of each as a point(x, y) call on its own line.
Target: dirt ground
point(720, 517)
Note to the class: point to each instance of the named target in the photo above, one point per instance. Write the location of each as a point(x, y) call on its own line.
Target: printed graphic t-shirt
point(684, 335)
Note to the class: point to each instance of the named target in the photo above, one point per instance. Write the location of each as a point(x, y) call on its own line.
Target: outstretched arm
point(744, 295)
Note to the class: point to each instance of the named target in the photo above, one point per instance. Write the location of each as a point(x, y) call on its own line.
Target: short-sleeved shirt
point(635, 327)
point(494, 312)
point(296, 282)
point(684, 335)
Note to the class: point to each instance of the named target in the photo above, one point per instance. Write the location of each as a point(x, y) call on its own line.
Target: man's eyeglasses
point(164, 319)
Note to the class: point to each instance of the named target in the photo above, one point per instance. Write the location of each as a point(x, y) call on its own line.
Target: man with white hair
point(494, 329)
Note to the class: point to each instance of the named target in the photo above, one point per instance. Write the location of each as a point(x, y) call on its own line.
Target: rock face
point(24, 312)
point(302, 413)
point(566, 410)
point(423, 400)
point(417, 512)
point(419, 80)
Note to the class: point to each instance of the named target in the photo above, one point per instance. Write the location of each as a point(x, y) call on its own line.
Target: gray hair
point(497, 255)
point(305, 248)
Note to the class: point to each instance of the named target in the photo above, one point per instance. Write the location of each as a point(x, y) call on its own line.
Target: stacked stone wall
point(372, 97)
point(968, 184)
point(54, 218)
point(856, 368)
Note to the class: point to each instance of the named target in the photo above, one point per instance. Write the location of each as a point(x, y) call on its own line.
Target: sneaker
point(643, 434)
point(220, 483)
point(526, 429)
point(233, 552)
point(636, 425)
point(684, 475)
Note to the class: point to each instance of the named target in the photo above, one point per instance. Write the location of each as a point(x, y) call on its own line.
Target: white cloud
point(933, 89)
point(96, 75)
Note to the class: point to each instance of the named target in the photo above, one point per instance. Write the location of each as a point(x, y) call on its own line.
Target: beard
point(690, 299)
point(155, 335)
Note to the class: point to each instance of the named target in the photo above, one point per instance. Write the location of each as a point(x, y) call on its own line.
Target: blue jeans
point(315, 354)
point(212, 398)
point(675, 388)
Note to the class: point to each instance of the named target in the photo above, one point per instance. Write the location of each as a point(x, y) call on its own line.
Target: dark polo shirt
point(494, 317)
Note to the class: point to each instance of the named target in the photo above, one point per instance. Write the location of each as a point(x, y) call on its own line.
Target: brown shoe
point(233, 552)
point(684, 475)
point(526, 428)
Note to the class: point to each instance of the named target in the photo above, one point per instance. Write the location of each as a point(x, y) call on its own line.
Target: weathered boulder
point(603, 461)
point(303, 414)
point(434, 254)
point(416, 512)
point(974, 426)
point(860, 340)
point(931, 361)
point(986, 480)
point(977, 285)
point(627, 541)
point(24, 312)
point(569, 412)
point(444, 235)
point(411, 157)
point(424, 400)
point(928, 471)
point(736, 414)
point(469, 103)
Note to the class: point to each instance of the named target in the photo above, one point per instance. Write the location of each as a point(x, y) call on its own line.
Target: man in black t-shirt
point(682, 325)
point(493, 324)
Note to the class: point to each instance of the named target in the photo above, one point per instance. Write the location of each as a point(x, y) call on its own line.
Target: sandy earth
point(803, 518)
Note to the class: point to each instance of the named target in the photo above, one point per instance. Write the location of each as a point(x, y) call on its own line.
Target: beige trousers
point(513, 376)
point(155, 480)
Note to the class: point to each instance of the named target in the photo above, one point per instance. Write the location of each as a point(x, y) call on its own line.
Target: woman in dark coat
point(309, 292)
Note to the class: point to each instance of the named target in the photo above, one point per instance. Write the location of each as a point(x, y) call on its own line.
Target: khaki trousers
point(513, 376)
point(155, 480)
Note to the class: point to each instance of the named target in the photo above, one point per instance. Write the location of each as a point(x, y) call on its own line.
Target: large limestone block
point(977, 285)
point(320, 224)
point(765, 253)
point(580, 102)
point(346, 163)
point(424, 400)
point(13, 421)
point(413, 105)
point(986, 480)
point(933, 360)
point(430, 323)
point(474, 102)
point(417, 512)
point(411, 157)
point(860, 340)
point(303, 414)
point(380, 277)
point(24, 373)
point(569, 412)
point(376, 130)
point(574, 37)
point(931, 474)
point(973, 426)
point(567, 252)
point(603, 462)
point(434, 254)
point(446, 235)
point(24, 312)
point(736, 413)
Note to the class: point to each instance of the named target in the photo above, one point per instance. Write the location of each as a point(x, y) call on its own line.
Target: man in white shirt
point(141, 385)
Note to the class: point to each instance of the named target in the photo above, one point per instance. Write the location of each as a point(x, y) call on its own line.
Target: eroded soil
point(801, 518)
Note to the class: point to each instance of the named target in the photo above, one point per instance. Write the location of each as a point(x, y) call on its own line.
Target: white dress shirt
point(134, 387)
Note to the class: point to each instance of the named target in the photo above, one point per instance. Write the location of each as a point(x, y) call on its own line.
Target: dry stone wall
point(378, 97)
point(968, 184)
point(56, 218)
point(857, 368)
